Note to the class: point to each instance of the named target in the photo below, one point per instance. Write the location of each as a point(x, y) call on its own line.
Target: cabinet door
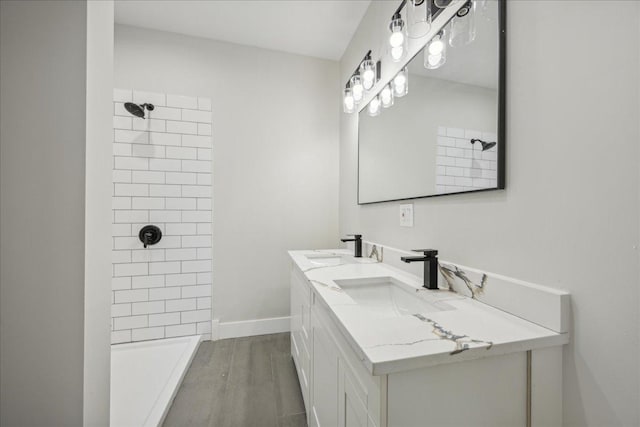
point(352, 411)
point(324, 382)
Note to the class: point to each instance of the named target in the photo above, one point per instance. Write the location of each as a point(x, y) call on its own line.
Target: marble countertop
point(463, 328)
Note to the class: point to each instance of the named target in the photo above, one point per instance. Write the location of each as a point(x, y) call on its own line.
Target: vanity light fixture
point(435, 52)
point(401, 83)
point(418, 17)
point(386, 96)
point(463, 25)
point(364, 77)
point(373, 109)
point(398, 37)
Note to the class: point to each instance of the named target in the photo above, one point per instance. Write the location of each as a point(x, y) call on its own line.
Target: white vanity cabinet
point(347, 384)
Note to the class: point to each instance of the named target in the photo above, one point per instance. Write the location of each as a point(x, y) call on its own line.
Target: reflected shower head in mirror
point(138, 110)
point(485, 145)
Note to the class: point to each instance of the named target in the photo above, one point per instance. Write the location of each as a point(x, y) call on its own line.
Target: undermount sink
point(328, 259)
point(388, 297)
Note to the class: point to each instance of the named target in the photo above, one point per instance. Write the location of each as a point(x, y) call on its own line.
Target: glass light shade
point(348, 103)
point(397, 39)
point(442, 3)
point(356, 88)
point(463, 28)
point(373, 109)
point(386, 96)
point(401, 84)
point(368, 72)
point(418, 18)
point(435, 53)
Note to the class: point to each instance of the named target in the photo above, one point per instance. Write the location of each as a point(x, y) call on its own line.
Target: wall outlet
point(406, 215)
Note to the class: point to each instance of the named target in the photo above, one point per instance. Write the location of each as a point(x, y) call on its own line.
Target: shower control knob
point(150, 235)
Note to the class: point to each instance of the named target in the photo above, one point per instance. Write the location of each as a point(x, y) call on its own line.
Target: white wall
point(161, 176)
point(47, 80)
point(569, 215)
point(275, 155)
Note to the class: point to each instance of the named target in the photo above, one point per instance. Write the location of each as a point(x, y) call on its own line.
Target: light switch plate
point(406, 215)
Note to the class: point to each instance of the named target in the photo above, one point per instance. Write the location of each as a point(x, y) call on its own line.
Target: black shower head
point(137, 110)
point(485, 145)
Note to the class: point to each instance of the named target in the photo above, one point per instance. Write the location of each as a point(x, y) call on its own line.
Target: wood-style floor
point(240, 382)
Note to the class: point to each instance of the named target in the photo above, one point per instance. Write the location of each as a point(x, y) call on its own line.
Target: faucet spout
point(357, 238)
point(430, 260)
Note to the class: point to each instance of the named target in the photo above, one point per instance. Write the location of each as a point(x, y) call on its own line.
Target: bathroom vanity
point(372, 347)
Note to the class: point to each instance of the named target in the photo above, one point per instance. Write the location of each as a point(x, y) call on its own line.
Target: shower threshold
point(145, 377)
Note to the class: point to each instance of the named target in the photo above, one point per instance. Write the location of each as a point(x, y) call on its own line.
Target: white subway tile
point(145, 334)
point(164, 139)
point(196, 116)
point(118, 337)
point(129, 322)
point(165, 113)
point(204, 104)
point(131, 216)
point(453, 171)
point(150, 307)
point(464, 143)
point(481, 183)
point(181, 254)
point(181, 279)
point(195, 316)
point(181, 304)
point(164, 216)
point(134, 295)
point(181, 101)
point(445, 161)
point(121, 122)
point(455, 152)
point(180, 229)
point(486, 155)
point(123, 176)
point(196, 216)
point(130, 136)
point(120, 283)
point(164, 319)
point(164, 165)
point(121, 256)
point(164, 293)
point(147, 255)
point(455, 132)
point(445, 180)
point(148, 177)
point(204, 303)
point(490, 174)
point(204, 228)
point(463, 163)
point(442, 130)
point(196, 166)
point(133, 163)
point(196, 241)
point(120, 229)
point(464, 181)
point(155, 151)
point(204, 329)
point(195, 291)
point(169, 242)
point(196, 266)
point(153, 125)
point(180, 330)
point(121, 202)
point(204, 154)
point(204, 278)
point(119, 110)
point(204, 253)
point(196, 191)
point(204, 179)
point(204, 129)
point(142, 97)
point(129, 242)
point(164, 267)
point(120, 310)
point(181, 178)
point(181, 203)
point(204, 205)
point(147, 202)
point(182, 127)
point(131, 190)
point(145, 282)
point(122, 95)
point(446, 141)
point(157, 190)
point(181, 153)
point(131, 269)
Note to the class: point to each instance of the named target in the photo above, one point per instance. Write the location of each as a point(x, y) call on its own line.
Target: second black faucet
point(357, 238)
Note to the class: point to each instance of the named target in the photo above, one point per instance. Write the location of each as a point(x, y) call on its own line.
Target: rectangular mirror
point(446, 134)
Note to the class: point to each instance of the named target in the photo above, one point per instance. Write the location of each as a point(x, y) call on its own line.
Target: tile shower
point(162, 176)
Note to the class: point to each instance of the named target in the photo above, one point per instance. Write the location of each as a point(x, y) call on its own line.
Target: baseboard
point(247, 328)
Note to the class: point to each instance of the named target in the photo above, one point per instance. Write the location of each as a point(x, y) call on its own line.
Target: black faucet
point(430, 260)
point(358, 239)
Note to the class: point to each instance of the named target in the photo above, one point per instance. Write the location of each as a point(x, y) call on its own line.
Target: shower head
point(138, 110)
point(485, 145)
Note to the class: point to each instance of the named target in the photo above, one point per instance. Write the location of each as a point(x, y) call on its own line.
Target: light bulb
point(374, 106)
point(436, 46)
point(400, 79)
point(396, 53)
point(368, 73)
point(349, 102)
point(396, 38)
point(386, 96)
point(357, 88)
point(435, 54)
point(400, 84)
